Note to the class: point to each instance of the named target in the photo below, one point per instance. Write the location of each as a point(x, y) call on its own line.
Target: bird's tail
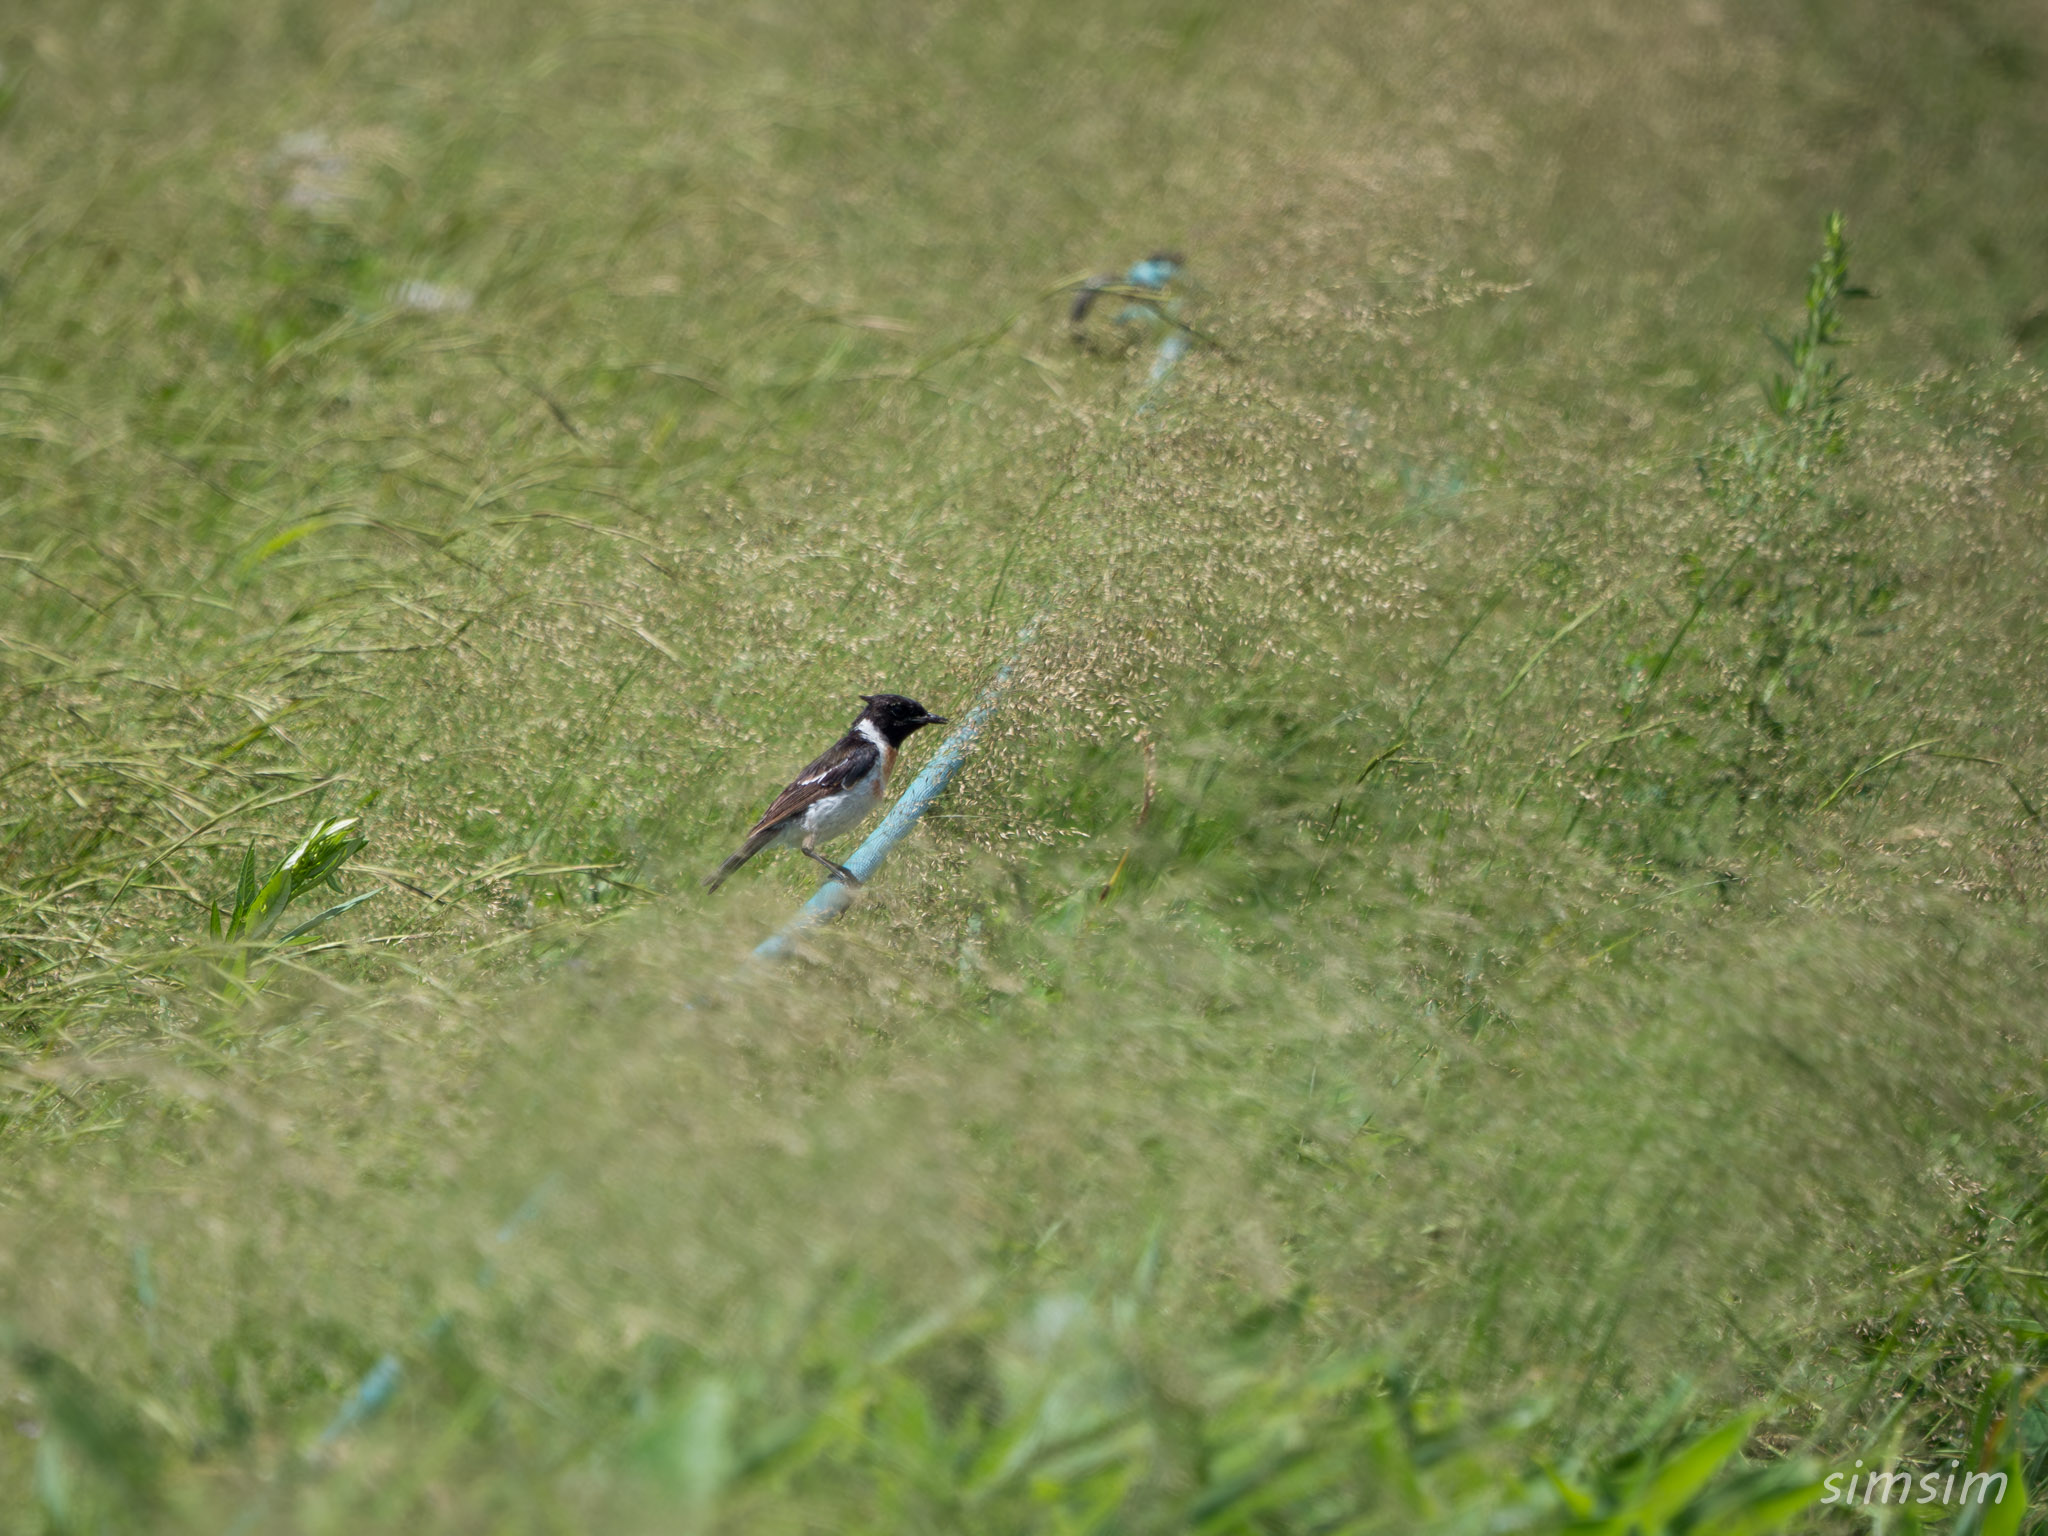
point(748, 849)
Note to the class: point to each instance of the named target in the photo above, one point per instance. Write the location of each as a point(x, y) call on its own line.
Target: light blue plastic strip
point(835, 896)
point(373, 1394)
point(369, 1399)
point(1171, 350)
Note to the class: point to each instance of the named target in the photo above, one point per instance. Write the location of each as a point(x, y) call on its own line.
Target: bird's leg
point(839, 871)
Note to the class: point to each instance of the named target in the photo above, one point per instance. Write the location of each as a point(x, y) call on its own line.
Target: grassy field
point(1488, 976)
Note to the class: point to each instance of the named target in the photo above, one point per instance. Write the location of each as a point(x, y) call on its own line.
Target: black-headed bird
point(840, 790)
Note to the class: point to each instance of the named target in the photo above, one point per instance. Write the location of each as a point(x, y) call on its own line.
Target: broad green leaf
point(268, 904)
point(1772, 1512)
point(320, 917)
point(1675, 1484)
point(2004, 1517)
point(282, 541)
point(1577, 1500)
point(245, 894)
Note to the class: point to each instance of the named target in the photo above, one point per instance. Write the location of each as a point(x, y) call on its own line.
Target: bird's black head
point(896, 717)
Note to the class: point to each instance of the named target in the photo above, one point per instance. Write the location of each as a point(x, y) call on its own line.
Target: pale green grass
point(1500, 926)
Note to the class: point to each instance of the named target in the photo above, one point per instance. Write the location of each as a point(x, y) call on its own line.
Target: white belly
point(837, 815)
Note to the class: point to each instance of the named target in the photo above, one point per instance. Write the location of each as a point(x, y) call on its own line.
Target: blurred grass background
point(1499, 928)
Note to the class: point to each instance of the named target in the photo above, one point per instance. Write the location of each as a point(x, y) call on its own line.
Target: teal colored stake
point(369, 1398)
point(380, 1384)
point(835, 896)
point(1170, 352)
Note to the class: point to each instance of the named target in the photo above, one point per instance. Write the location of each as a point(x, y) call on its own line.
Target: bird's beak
point(934, 720)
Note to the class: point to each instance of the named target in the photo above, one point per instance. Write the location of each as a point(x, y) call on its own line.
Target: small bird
point(840, 790)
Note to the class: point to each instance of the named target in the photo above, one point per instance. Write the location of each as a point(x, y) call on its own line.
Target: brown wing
point(847, 762)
